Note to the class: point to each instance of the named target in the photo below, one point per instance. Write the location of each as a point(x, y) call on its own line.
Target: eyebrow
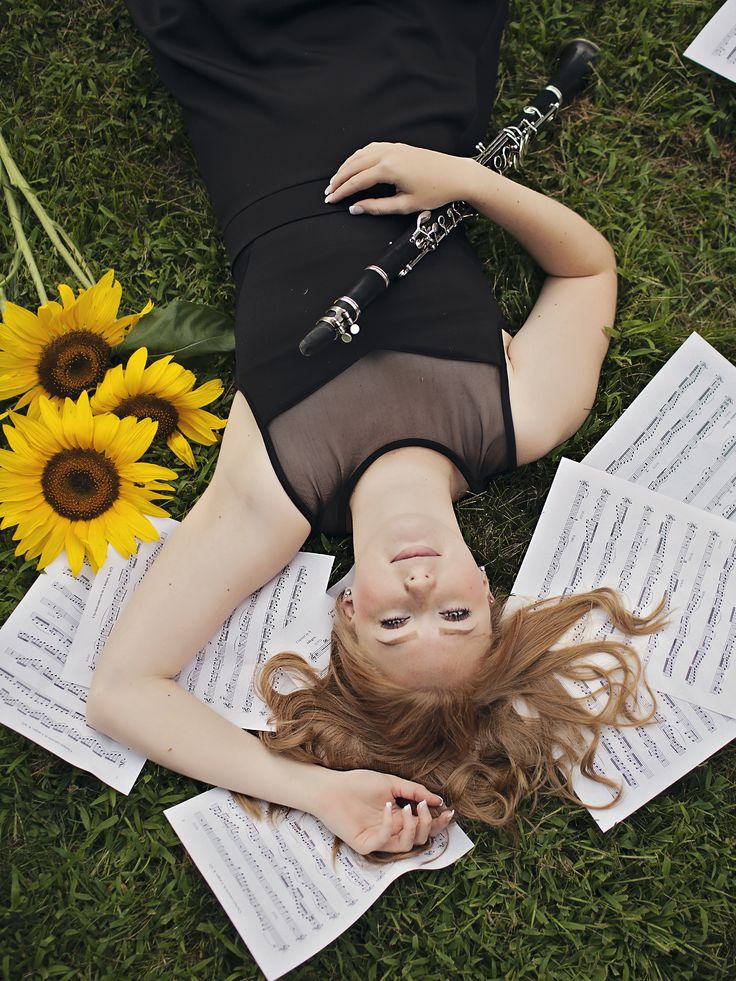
point(466, 631)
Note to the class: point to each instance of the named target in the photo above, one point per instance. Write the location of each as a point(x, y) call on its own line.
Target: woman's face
point(419, 604)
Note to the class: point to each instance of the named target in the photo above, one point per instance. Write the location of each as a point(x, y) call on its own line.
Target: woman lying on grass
point(430, 686)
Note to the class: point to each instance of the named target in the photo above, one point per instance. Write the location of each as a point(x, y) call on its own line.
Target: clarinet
point(506, 151)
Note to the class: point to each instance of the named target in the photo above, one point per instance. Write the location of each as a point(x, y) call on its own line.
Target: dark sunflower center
point(80, 484)
point(151, 407)
point(74, 362)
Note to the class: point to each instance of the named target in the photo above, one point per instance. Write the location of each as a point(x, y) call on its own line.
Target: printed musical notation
point(277, 881)
point(678, 436)
point(35, 699)
point(223, 673)
point(715, 46)
point(598, 530)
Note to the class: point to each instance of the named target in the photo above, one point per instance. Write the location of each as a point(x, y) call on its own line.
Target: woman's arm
point(555, 357)
point(239, 534)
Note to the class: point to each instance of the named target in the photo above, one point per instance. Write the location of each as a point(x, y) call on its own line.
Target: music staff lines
point(678, 426)
point(564, 539)
point(646, 434)
point(268, 928)
point(694, 600)
point(686, 451)
point(591, 528)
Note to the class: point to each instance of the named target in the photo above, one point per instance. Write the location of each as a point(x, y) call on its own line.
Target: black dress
point(276, 94)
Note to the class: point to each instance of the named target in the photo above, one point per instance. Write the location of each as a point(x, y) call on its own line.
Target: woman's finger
point(358, 182)
point(395, 204)
point(353, 165)
point(406, 837)
point(381, 839)
point(407, 788)
point(440, 823)
point(424, 824)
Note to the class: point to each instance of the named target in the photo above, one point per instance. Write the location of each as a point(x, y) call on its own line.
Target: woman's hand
point(424, 179)
point(359, 806)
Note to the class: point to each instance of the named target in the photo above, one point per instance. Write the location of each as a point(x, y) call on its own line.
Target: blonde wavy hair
point(470, 743)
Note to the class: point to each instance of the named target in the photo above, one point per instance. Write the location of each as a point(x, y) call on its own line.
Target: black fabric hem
point(508, 419)
point(281, 476)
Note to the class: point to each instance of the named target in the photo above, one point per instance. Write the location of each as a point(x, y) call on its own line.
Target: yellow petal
point(54, 544)
point(105, 429)
point(74, 549)
point(181, 448)
point(134, 370)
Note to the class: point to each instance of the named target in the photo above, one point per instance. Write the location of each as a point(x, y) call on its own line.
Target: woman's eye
point(393, 623)
point(455, 615)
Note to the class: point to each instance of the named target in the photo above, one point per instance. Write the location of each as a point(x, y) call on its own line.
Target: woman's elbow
point(100, 707)
point(608, 257)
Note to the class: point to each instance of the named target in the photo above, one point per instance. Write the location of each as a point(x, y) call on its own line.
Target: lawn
point(96, 885)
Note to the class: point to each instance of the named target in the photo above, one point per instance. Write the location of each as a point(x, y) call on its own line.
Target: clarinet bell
point(573, 68)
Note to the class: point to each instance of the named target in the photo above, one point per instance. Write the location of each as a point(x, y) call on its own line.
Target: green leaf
point(185, 329)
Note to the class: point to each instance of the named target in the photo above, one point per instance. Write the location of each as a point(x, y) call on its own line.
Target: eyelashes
point(454, 616)
point(393, 623)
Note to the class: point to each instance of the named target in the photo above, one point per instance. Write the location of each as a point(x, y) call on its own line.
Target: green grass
point(96, 885)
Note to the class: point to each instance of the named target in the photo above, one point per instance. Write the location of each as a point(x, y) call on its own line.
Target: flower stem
point(4, 280)
point(20, 235)
point(17, 180)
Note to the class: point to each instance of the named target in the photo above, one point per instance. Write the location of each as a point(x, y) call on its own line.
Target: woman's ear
point(491, 597)
point(346, 600)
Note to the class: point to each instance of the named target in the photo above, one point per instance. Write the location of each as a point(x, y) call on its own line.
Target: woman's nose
point(419, 582)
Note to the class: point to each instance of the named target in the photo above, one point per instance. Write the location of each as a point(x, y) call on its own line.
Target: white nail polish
point(355, 209)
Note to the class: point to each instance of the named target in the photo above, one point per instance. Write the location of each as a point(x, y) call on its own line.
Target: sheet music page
point(309, 635)
point(678, 436)
point(276, 881)
point(222, 673)
point(715, 46)
point(35, 701)
point(598, 530)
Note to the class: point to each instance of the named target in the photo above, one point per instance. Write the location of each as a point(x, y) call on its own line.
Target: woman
point(375, 105)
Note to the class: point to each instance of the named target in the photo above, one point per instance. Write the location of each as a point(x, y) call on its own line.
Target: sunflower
point(72, 480)
point(63, 349)
point(164, 392)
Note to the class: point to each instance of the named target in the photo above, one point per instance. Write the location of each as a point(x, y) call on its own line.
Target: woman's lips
point(413, 552)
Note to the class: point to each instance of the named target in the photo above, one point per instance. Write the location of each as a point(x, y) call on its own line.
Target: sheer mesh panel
point(324, 443)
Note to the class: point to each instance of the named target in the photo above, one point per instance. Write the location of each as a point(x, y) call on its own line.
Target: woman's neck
point(412, 480)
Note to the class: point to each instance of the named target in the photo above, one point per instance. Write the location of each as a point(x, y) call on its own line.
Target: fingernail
point(388, 805)
point(452, 814)
point(327, 198)
point(441, 803)
point(422, 804)
point(355, 209)
point(407, 807)
point(328, 188)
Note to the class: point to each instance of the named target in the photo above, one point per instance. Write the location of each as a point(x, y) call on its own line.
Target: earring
point(482, 569)
point(347, 593)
